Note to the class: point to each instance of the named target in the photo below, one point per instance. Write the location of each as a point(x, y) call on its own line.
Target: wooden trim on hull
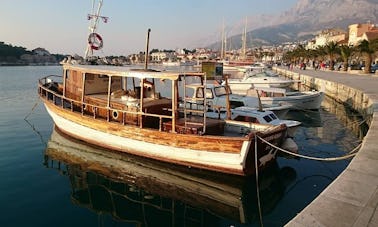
point(193, 155)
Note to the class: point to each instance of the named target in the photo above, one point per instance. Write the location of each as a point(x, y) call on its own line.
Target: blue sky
point(61, 26)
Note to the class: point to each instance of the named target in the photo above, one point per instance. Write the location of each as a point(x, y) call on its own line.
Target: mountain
point(306, 19)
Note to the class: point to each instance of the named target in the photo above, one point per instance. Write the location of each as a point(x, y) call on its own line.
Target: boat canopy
point(128, 72)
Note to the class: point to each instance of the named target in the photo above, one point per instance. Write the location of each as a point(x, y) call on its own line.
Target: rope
point(350, 154)
point(257, 184)
point(32, 126)
point(32, 110)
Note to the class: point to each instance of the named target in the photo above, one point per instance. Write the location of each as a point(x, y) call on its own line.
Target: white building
point(328, 36)
point(161, 56)
point(359, 32)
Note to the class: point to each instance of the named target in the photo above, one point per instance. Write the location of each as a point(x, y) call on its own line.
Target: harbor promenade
point(352, 198)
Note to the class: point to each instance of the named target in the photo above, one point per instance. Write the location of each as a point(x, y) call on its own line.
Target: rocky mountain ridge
point(306, 19)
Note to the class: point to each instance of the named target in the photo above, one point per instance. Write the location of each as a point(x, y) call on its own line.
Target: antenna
point(95, 41)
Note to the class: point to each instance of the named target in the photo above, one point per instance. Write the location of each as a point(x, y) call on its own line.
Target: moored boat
point(217, 97)
point(253, 79)
point(299, 100)
point(137, 111)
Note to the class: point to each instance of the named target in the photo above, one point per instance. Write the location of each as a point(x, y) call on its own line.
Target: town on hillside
point(334, 49)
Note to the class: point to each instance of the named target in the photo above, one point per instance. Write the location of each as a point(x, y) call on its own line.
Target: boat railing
point(49, 89)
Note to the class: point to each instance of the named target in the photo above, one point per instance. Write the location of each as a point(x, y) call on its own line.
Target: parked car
point(374, 68)
point(356, 66)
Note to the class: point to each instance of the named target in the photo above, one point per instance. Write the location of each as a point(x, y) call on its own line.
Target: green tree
point(368, 49)
point(345, 52)
point(331, 49)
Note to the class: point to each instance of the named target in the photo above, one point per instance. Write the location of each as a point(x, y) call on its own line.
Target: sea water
point(36, 190)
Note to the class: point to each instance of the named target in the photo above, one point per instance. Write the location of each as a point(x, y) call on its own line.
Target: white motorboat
point(303, 100)
point(248, 114)
point(216, 99)
point(255, 67)
point(252, 115)
point(260, 79)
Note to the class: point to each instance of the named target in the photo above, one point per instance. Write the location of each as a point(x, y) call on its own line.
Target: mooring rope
point(350, 154)
point(32, 110)
point(32, 126)
point(257, 184)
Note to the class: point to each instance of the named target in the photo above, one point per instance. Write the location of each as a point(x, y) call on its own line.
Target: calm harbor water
point(48, 179)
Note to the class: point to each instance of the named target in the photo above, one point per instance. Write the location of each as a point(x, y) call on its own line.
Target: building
point(327, 36)
point(359, 32)
point(161, 56)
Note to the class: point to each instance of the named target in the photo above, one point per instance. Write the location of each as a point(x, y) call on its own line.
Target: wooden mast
point(147, 46)
point(228, 108)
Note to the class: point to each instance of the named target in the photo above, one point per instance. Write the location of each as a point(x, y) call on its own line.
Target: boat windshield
point(221, 90)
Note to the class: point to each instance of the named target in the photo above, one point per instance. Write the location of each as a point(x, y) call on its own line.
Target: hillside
point(14, 55)
point(306, 19)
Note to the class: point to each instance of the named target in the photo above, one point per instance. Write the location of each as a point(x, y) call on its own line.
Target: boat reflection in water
point(324, 118)
point(145, 192)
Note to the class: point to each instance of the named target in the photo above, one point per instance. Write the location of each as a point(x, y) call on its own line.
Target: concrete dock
point(352, 198)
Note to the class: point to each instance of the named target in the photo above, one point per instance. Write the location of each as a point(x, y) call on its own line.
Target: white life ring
point(95, 41)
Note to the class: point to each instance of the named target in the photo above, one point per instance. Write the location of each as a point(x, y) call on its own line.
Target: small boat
point(260, 79)
point(253, 115)
point(299, 100)
point(136, 190)
point(263, 117)
point(254, 67)
point(217, 97)
point(137, 112)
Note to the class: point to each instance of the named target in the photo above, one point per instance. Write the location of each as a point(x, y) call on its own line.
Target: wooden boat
point(137, 190)
point(136, 111)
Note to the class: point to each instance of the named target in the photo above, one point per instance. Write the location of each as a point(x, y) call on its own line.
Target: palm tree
point(367, 49)
point(331, 49)
point(345, 52)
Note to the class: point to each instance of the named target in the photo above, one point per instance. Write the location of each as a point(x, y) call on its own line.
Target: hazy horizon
point(62, 26)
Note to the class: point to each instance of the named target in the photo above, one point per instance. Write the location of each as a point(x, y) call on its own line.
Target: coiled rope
point(349, 155)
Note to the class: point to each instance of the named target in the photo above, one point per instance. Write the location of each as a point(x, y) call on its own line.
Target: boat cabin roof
point(271, 89)
point(129, 72)
point(209, 86)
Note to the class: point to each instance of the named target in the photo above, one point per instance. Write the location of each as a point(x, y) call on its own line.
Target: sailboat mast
point(244, 41)
point(222, 42)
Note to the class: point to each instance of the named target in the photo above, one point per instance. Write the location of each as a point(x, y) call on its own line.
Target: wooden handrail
point(55, 95)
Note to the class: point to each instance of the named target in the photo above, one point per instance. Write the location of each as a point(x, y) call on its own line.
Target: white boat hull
point(306, 101)
point(234, 161)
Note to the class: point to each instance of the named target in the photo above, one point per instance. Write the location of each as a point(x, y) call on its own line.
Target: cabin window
point(97, 84)
point(273, 116)
point(267, 118)
point(209, 94)
point(234, 104)
point(219, 91)
point(199, 93)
